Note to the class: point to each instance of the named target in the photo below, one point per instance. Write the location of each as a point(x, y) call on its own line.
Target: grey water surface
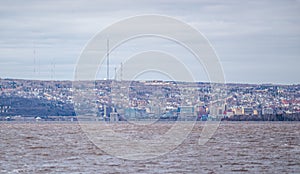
point(236, 147)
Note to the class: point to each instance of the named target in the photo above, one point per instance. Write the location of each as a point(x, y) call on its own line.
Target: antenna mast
point(34, 61)
point(121, 71)
point(107, 61)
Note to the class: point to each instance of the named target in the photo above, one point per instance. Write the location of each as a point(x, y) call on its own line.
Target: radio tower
point(121, 71)
point(107, 61)
point(34, 61)
point(115, 73)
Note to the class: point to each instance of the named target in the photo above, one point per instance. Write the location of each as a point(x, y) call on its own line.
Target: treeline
point(34, 107)
point(268, 117)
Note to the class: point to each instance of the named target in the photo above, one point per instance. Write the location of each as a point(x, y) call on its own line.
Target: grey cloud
point(259, 32)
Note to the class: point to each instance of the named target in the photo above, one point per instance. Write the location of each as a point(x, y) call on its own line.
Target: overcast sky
point(256, 41)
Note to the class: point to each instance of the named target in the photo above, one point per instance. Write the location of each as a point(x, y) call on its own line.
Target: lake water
point(236, 147)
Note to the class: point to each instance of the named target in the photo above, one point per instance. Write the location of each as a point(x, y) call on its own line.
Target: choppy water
point(236, 147)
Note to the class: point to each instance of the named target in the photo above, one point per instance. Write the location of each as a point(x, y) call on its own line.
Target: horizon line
point(205, 82)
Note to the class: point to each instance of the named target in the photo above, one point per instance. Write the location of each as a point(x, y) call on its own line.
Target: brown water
point(236, 147)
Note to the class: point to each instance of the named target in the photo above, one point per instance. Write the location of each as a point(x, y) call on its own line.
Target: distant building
point(216, 111)
point(186, 109)
point(135, 114)
point(238, 111)
point(229, 113)
point(248, 111)
point(186, 112)
point(201, 110)
point(255, 112)
point(267, 111)
point(114, 116)
point(4, 109)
